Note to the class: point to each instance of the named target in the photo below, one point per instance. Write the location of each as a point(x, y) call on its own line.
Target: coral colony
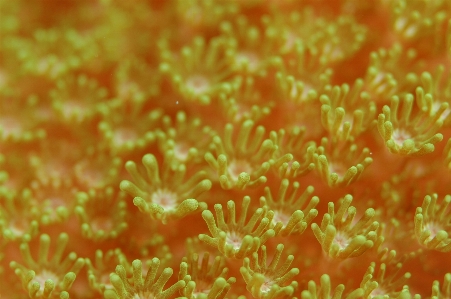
point(225, 149)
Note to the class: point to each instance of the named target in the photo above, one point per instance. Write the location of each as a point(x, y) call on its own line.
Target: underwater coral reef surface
point(225, 149)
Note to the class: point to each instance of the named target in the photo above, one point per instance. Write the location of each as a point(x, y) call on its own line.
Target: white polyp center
point(50, 205)
point(400, 135)
point(165, 198)
point(181, 151)
point(377, 292)
point(242, 111)
point(42, 276)
point(295, 94)
point(90, 174)
point(332, 50)
point(194, 14)
point(290, 40)
point(234, 239)
point(202, 287)
point(250, 58)
point(55, 168)
point(347, 118)
point(342, 240)
point(18, 226)
point(10, 126)
point(338, 168)
point(236, 167)
point(43, 65)
point(400, 23)
point(127, 89)
point(124, 135)
point(402, 26)
point(434, 228)
point(380, 82)
point(74, 108)
point(103, 223)
point(410, 31)
point(280, 216)
point(379, 77)
point(266, 286)
point(50, 66)
point(198, 84)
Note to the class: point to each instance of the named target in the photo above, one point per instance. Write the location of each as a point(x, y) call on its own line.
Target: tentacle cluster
point(139, 286)
point(324, 290)
point(208, 280)
point(340, 164)
point(294, 156)
point(237, 239)
point(187, 138)
point(340, 237)
point(347, 112)
point(57, 275)
point(386, 283)
point(409, 133)
point(199, 71)
point(269, 281)
point(102, 214)
point(290, 214)
point(433, 223)
point(241, 163)
point(167, 196)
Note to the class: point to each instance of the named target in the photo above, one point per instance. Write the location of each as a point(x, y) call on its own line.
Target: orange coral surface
point(225, 149)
